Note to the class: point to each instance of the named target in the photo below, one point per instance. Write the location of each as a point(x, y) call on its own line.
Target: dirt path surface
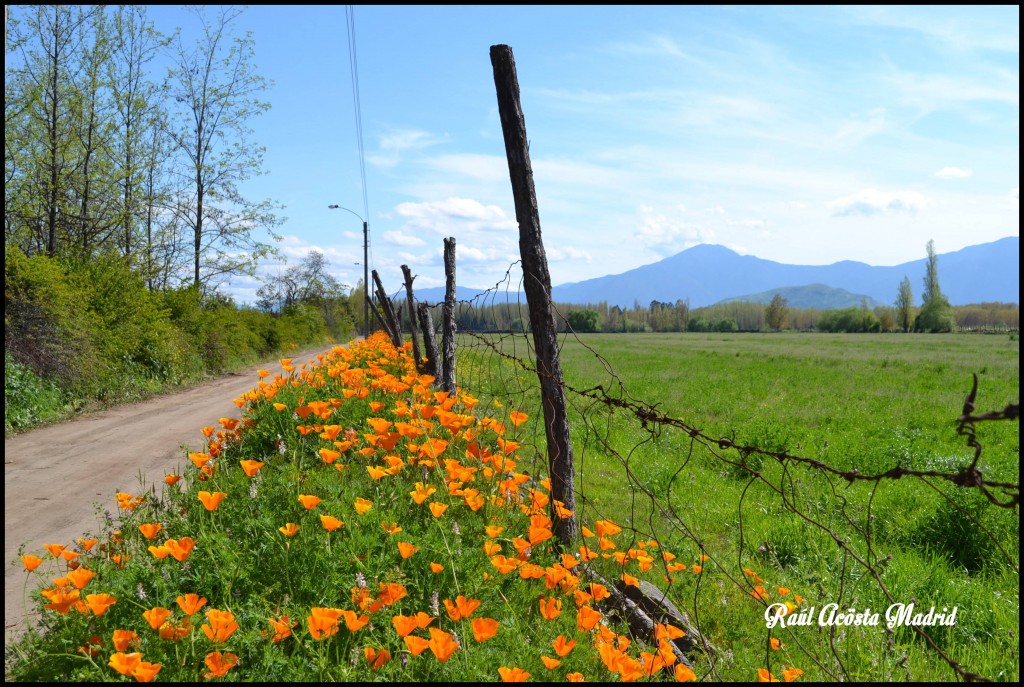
point(54, 476)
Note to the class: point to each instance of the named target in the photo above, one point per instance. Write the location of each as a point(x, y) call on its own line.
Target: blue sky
point(805, 136)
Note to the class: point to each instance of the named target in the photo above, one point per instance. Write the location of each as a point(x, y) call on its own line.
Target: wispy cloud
point(873, 202)
point(952, 173)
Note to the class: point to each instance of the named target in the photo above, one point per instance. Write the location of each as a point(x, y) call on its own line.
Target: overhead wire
point(357, 106)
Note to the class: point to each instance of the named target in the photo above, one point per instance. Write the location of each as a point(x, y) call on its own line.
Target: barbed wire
point(498, 361)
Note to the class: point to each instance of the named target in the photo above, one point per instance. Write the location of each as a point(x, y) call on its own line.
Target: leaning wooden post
point(448, 331)
point(392, 324)
point(407, 273)
point(537, 284)
point(430, 367)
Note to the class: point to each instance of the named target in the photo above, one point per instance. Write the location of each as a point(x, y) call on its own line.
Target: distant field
point(870, 402)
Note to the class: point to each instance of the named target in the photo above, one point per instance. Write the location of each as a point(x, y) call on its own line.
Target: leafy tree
point(216, 85)
point(582, 321)
point(308, 284)
point(776, 313)
point(905, 305)
point(936, 313)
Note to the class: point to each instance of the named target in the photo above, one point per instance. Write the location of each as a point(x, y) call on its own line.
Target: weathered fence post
point(448, 331)
point(537, 284)
point(430, 367)
point(407, 273)
point(391, 323)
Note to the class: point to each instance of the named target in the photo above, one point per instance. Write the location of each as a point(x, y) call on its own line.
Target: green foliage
point(28, 400)
point(935, 316)
point(583, 321)
point(850, 320)
point(722, 324)
point(776, 312)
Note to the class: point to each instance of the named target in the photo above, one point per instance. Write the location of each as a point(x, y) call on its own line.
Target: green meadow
point(864, 402)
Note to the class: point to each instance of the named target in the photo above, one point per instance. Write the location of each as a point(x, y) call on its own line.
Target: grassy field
point(357, 524)
point(870, 402)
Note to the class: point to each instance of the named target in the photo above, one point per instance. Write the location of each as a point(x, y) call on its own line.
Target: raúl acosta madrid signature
point(897, 615)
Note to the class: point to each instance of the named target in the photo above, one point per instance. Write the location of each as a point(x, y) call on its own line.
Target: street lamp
point(366, 269)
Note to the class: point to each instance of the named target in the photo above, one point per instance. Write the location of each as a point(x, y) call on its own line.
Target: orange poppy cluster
point(364, 404)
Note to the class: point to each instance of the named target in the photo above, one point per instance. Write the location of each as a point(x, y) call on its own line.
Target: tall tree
point(936, 313)
point(905, 305)
point(137, 136)
point(776, 313)
point(217, 87)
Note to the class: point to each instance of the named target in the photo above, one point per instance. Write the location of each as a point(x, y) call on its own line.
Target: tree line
point(106, 154)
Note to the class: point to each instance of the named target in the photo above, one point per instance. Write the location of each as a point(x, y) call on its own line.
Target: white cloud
point(663, 233)
point(563, 253)
point(953, 173)
point(407, 139)
point(454, 217)
point(873, 202)
point(400, 238)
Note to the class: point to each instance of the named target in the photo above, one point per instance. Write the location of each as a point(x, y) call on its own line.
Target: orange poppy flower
point(99, 603)
point(190, 603)
point(587, 617)
point(764, 676)
point(220, 625)
point(491, 548)
point(484, 628)
point(362, 505)
point(150, 529)
point(550, 663)
point(630, 580)
point(87, 544)
point(697, 568)
point(518, 418)
point(290, 529)
point(161, 552)
point(210, 500)
point(461, 608)
point(80, 577)
point(282, 628)
point(562, 646)
point(228, 423)
point(391, 592)
point(199, 459)
point(416, 645)
point(791, 674)
point(125, 663)
point(54, 549)
point(550, 608)
point(180, 548)
point(503, 564)
point(391, 528)
point(353, 622)
point(422, 492)
point(376, 472)
point(156, 616)
point(404, 624)
point(668, 632)
point(219, 664)
point(330, 522)
point(407, 549)
point(685, 674)
point(323, 622)
point(309, 501)
point(376, 657)
point(441, 644)
point(438, 509)
point(122, 639)
point(31, 562)
point(513, 674)
point(251, 467)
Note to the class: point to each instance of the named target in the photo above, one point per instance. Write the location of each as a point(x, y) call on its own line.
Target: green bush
point(28, 400)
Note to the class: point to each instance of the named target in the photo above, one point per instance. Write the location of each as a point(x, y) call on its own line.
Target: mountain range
point(708, 274)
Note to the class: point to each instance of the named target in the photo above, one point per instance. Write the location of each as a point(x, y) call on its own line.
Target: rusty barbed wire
point(503, 365)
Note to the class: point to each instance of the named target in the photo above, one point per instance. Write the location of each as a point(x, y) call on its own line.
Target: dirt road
point(55, 476)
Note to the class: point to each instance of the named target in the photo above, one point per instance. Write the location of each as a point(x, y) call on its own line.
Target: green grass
point(745, 529)
point(870, 402)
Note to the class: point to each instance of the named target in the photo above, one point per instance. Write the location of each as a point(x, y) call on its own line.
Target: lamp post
point(366, 269)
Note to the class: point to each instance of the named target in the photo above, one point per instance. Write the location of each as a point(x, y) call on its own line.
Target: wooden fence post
point(407, 273)
point(448, 331)
point(392, 325)
point(430, 366)
point(537, 284)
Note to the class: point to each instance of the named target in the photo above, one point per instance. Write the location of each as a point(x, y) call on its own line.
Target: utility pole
point(366, 269)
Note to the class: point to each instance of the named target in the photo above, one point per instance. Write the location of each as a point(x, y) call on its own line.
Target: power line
point(357, 105)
